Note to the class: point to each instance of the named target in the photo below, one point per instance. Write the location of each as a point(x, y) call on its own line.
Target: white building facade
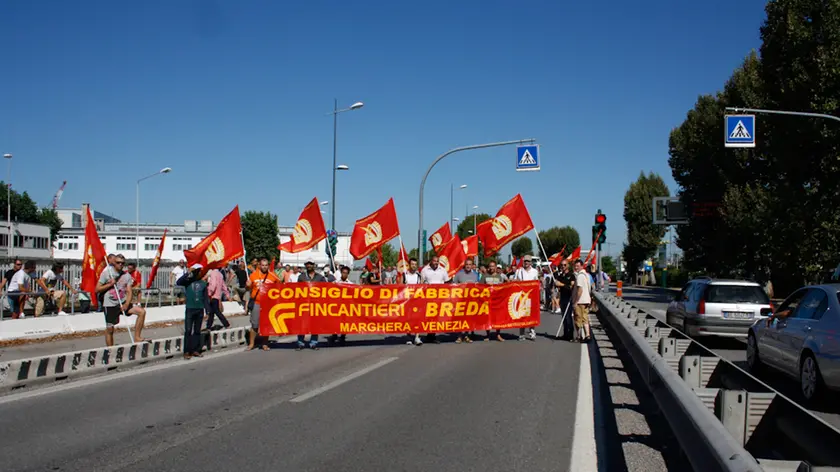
point(121, 238)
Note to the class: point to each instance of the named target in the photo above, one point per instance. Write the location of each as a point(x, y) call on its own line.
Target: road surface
point(655, 301)
point(375, 404)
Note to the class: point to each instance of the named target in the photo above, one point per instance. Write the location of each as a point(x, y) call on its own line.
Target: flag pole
point(541, 244)
point(333, 263)
point(399, 254)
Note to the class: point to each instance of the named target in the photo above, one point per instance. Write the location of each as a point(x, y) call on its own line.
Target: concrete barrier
point(46, 326)
point(38, 370)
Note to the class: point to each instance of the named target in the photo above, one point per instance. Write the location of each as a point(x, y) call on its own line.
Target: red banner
point(224, 244)
point(325, 308)
point(93, 262)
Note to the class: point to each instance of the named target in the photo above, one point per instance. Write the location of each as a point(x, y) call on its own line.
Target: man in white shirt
point(412, 277)
point(527, 272)
point(50, 282)
point(581, 300)
point(344, 278)
point(433, 274)
point(177, 272)
point(20, 282)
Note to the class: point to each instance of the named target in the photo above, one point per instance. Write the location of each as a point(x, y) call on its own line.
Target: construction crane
point(58, 194)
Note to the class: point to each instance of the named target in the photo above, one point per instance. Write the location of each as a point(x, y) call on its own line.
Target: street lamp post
point(429, 170)
point(165, 170)
point(452, 202)
point(475, 220)
point(335, 165)
point(9, 203)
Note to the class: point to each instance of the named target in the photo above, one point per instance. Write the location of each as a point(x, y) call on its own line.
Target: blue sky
point(234, 95)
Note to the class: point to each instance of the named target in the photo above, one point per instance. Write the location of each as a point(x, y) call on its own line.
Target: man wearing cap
point(309, 275)
point(527, 272)
point(344, 279)
point(255, 283)
point(197, 302)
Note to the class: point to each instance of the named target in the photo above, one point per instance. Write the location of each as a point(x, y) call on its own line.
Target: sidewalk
point(46, 348)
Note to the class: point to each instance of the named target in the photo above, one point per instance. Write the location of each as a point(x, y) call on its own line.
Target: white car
point(718, 307)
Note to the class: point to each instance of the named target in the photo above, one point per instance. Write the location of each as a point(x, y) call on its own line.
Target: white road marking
point(584, 452)
point(106, 377)
point(342, 380)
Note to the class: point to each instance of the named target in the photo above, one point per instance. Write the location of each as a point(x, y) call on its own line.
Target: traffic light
point(600, 227)
point(332, 243)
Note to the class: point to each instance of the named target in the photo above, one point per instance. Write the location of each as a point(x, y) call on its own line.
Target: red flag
point(470, 246)
point(156, 262)
point(94, 260)
point(452, 256)
point(402, 260)
point(595, 259)
point(556, 258)
point(520, 262)
point(592, 249)
point(368, 264)
point(441, 236)
point(273, 261)
point(575, 255)
point(309, 229)
point(221, 246)
point(374, 230)
point(511, 221)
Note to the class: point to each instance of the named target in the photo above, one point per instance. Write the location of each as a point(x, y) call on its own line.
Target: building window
point(181, 247)
point(150, 247)
point(126, 247)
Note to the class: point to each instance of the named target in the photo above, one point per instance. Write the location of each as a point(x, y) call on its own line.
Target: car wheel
point(810, 382)
point(753, 361)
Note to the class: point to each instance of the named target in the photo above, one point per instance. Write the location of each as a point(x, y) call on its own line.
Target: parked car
point(717, 307)
point(802, 339)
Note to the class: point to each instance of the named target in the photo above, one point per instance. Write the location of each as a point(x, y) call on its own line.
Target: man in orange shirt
point(255, 282)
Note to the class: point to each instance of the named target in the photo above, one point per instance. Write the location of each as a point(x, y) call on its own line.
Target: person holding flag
point(309, 275)
point(344, 279)
point(117, 287)
point(527, 273)
point(258, 278)
point(197, 301)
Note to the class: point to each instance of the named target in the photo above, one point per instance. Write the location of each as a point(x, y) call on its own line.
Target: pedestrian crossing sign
point(528, 158)
point(740, 131)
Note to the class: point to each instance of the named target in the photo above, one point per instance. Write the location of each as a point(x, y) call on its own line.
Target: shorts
point(255, 317)
point(17, 302)
point(112, 315)
point(581, 315)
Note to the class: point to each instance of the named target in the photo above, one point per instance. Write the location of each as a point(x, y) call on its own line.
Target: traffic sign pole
point(783, 112)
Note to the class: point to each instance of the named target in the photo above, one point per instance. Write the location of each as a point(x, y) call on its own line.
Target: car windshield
point(736, 294)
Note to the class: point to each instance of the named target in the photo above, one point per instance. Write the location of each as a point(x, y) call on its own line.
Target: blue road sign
point(740, 131)
point(528, 158)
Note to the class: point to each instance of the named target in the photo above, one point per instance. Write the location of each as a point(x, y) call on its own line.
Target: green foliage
point(414, 252)
point(779, 211)
point(642, 235)
point(555, 238)
point(522, 247)
point(25, 210)
point(608, 266)
point(390, 254)
point(464, 230)
point(259, 228)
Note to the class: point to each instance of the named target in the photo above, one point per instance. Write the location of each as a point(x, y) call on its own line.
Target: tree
point(608, 266)
point(643, 236)
point(389, 256)
point(555, 238)
point(259, 229)
point(426, 257)
point(465, 229)
point(25, 210)
point(522, 247)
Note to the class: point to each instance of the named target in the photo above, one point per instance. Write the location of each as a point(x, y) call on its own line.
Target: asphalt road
point(655, 302)
point(375, 404)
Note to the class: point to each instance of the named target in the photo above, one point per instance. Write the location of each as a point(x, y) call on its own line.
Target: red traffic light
point(600, 219)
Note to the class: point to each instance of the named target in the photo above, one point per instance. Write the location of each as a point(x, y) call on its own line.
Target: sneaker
point(522, 338)
point(418, 341)
point(187, 356)
point(558, 311)
point(468, 340)
point(299, 348)
point(500, 338)
point(62, 313)
point(314, 347)
point(459, 340)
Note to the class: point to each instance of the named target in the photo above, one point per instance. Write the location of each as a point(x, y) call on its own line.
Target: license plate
point(737, 315)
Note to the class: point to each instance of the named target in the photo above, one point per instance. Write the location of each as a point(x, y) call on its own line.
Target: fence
point(73, 274)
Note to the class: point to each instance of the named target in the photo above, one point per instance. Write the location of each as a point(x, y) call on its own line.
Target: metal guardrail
point(165, 297)
point(707, 444)
point(773, 431)
point(38, 370)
